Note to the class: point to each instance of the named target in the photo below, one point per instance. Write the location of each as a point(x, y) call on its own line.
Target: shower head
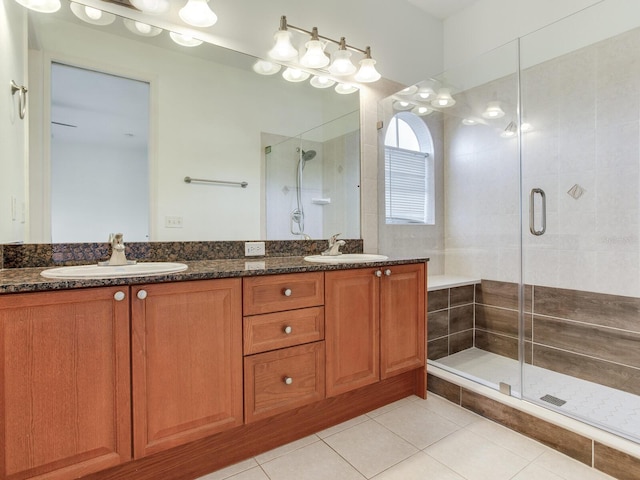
point(308, 155)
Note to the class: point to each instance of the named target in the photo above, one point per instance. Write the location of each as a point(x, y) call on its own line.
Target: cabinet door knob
point(287, 292)
point(119, 296)
point(288, 329)
point(378, 273)
point(387, 272)
point(288, 380)
point(142, 294)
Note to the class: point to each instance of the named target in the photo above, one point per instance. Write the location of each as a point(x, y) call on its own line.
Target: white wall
point(13, 41)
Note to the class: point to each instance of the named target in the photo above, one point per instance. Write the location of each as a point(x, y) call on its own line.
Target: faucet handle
point(333, 238)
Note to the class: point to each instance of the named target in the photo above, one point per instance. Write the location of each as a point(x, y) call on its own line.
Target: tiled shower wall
point(591, 336)
point(450, 317)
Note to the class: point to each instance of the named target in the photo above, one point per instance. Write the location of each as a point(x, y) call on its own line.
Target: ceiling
point(442, 8)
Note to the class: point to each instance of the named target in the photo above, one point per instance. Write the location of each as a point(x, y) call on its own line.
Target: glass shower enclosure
point(541, 158)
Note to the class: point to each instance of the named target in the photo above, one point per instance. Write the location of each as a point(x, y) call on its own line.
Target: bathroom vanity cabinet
point(65, 407)
point(376, 325)
point(155, 380)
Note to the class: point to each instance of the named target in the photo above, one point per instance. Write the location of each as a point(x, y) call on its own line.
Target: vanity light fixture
point(153, 7)
point(345, 88)
point(493, 111)
point(140, 28)
point(198, 14)
point(315, 56)
point(320, 81)
point(443, 99)
point(184, 40)
point(43, 6)
point(264, 67)
point(92, 15)
point(295, 75)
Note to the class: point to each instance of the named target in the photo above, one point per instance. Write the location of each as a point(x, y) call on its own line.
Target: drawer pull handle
point(288, 329)
point(288, 380)
point(142, 294)
point(378, 273)
point(287, 292)
point(118, 296)
point(387, 272)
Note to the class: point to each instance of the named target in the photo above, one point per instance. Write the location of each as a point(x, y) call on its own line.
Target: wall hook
point(22, 98)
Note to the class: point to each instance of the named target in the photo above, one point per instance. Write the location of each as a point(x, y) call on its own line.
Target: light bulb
point(443, 99)
point(43, 6)
point(493, 110)
point(342, 64)
point(295, 75)
point(421, 110)
point(320, 81)
point(314, 57)
point(345, 88)
point(198, 14)
point(283, 50)
point(153, 7)
point(263, 67)
point(142, 29)
point(367, 72)
point(92, 15)
point(184, 40)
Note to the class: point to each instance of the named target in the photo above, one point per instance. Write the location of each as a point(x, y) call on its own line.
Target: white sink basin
point(143, 269)
point(346, 258)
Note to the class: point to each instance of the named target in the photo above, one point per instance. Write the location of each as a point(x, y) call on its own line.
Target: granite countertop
point(14, 280)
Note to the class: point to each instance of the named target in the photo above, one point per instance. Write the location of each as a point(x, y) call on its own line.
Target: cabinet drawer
point(283, 329)
point(277, 381)
point(275, 293)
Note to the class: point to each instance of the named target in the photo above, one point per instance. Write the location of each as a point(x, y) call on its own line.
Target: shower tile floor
point(413, 439)
point(601, 406)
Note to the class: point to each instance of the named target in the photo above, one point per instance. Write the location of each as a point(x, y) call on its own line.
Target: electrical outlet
point(172, 222)
point(253, 249)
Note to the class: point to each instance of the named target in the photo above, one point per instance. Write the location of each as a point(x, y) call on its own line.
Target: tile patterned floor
point(603, 407)
point(412, 439)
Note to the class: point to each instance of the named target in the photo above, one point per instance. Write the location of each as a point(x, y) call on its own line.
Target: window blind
point(408, 186)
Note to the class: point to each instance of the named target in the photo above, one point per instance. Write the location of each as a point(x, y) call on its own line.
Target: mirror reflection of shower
point(297, 215)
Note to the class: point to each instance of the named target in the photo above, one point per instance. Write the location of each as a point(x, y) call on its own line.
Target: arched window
point(409, 171)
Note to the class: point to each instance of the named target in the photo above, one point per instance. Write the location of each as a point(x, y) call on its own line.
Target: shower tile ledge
point(440, 282)
point(593, 433)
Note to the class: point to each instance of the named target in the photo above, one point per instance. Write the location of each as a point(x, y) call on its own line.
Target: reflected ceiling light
point(510, 131)
point(341, 63)
point(92, 15)
point(493, 110)
point(469, 121)
point(43, 6)
point(185, 40)
point(153, 7)
point(402, 105)
point(142, 29)
point(198, 14)
point(443, 99)
point(425, 93)
point(345, 88)
point(295, 75)
point(320, 81)
point(421, 110)
point(315, 56)
point(264, 67)
point(409, 90)
point(526, 127)
point(367, 72)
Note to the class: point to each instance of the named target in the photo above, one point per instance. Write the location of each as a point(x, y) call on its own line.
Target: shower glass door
point(580, 133)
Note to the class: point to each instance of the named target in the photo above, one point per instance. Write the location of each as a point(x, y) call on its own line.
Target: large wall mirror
point(118, 120)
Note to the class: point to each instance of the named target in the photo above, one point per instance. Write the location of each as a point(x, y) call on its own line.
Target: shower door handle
point(532, 212)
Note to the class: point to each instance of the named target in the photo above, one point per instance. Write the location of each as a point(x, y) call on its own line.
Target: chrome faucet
point(334, 245)
point(117, 251)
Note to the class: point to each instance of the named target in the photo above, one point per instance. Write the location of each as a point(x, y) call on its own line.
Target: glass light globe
point(184, 40)
point(367, 72)
point(493, 110)
point(320, 81)
point(263, 67)
point(314, 57)
point(443, 99)
point(295, 75)
point(92, 15)
point(153, 7)
point(345, 88)
point(142, 29)
point(342, 64)
point(43, 6)
point(283, 50)
point(198, 14)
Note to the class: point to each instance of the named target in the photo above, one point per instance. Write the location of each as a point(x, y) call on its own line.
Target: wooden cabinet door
point(402, 319)
point(187, 362)
point(64, 383)
point(351, 329)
